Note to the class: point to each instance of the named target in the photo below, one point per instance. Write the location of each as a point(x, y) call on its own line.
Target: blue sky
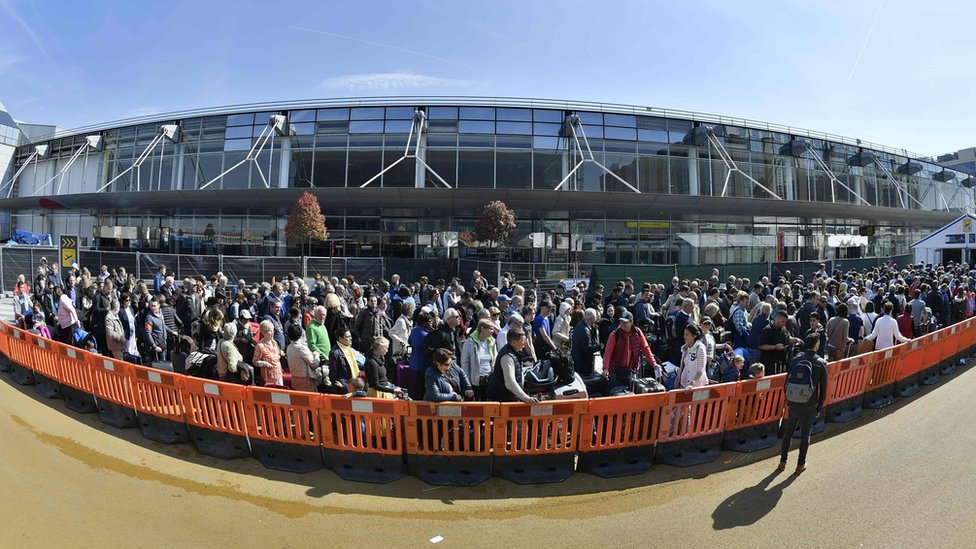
point(894, 72)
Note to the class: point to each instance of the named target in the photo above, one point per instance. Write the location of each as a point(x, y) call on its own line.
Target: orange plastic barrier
point(362, 438)
point(450, 443)
point(693, 425)
point(967, 339)
point(76, 380)
point(215, 417)
point(934, 343)
point(45, 365)
point(952, 348)
point(5, 346)
point(283, 427)
point(879, 390)
point(908, 368)
point(536, 443)
point(159, 402)
point(617, 435)
point(754, 414)
point(21, 362)
point(846, 380)
point(112, 382)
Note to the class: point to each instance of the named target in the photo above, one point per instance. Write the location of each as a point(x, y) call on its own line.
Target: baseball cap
point(626, 316)
point(503, 297)
point(245, 314)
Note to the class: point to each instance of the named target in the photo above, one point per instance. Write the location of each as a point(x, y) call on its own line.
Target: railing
point(377, 440)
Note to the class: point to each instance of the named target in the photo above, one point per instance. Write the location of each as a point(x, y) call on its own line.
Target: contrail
point(866, 38)
point(379, 45)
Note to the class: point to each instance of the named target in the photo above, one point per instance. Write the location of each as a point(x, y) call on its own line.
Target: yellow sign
point(648, 224)
point(967, 225)
point(69, 250)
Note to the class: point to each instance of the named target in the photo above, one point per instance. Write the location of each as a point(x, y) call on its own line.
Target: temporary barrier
point(5, 331)
point(283, 427)
point(362, 438)
point(932, 358)
point(693, 425)
point(159, 403)
point(21, 370)
point(968, 344)
point(449, 444)
point(879, 391)
point(112, 382)
point(215, 417)
point(617, 435)
point(754, 414)
point(845, 388)
point(951, 349)
point(44, 362)
point(536, 443)
point(76, 379)
point(908, 369)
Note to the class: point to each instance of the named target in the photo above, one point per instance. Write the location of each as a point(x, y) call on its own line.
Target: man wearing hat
point(585, 343)
point(624, 349)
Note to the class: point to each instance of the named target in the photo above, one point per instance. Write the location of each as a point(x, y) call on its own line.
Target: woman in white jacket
point(561, 327)
point(400, 333)
point(478, 358)
point(694, 359)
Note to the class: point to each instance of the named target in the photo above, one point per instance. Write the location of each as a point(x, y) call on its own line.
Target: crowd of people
point(442, 340)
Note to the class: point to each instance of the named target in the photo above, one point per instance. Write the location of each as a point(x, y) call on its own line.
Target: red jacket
point(625, 349)
point(905, 325)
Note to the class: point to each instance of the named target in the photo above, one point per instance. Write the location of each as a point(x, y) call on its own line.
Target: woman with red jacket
point(624, 349)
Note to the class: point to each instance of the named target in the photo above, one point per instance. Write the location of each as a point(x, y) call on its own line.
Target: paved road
point(903, 477)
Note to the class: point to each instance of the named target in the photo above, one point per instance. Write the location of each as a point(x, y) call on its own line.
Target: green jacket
point(318, 338)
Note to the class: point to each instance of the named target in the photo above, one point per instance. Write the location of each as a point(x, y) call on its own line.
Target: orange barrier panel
point(908, 368)
point(283, 427)
point(536, 443)
point(159, 402)
point(215, 417)
point(45, 366)
point(845, 387)
point(967, 338)
point(21, 362)
point(932, 357)
point(754, 414)
point(693, 425)
point(879, 391)
point(450, 443)
point(5, 336)
point(76, 379)
point(617, 435)
point(112, 382)
point(952, 349)
point(362, 438)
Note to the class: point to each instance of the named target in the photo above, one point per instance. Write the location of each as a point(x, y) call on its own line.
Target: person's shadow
point(748, 506)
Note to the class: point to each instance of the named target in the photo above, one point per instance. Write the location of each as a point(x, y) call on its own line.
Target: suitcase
point(596, 385)
point(179, 362)
point(643, 386)
point(164, 365)
point(620, 390)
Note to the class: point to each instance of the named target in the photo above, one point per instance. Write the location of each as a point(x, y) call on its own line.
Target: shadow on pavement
point(748, 506)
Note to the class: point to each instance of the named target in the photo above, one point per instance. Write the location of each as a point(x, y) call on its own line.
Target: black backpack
point(799, 382)
point(671, 327)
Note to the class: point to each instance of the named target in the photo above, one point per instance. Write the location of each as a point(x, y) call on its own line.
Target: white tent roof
point(956, 226)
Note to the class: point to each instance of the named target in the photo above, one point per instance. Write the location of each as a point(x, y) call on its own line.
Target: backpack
point(671, 327)
point(799, 382)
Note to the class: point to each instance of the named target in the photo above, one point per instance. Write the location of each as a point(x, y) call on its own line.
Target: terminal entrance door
point(951, 254)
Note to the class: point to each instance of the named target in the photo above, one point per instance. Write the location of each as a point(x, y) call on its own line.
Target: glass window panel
point(477, 113)
point(543, 115)
point(442, 126)
point(398, 141)
point(375, 141)
point(476, 169)
point(611, 132)
point(214, 146)
point(332, 127)
point(331, 142)
point(624, 166)
point(516, 115)
point(300, 170)
point(368, 126)
point(476, 126)
point(590, 117)
point(546, 129)
point(271, 167)
point(209, 134)
point(301, 116)
point(442, 113)
point(510, 142)
point(240, 119)
point(547, 168)
point(592, 132)
point(236, 178)
point(208, 166)
point(303, 128)
point(237, 144)
point(398, 126)
point(623, 120)
point(401, 175)
point(487, 141)
point(399, 113)
point(363, 165)
point(366, 113)
point(514, 128)
point(262, 118)
point(545, 142)
point(619, 146)
point(513, 170)
point(189, 172)
point(661, 136)
point(445, 140)
point(679, 125)
point(211, 122)
point(653, 172)
point(329, 168)
point(332, 114)
point(444, 162)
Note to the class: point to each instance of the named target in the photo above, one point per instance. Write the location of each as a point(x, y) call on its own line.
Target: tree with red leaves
point(496, 224)
point(306, 221)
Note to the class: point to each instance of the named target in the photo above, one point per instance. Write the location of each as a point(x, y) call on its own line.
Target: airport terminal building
point(407, 177)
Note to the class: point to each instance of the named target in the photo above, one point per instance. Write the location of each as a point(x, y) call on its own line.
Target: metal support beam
point(833, 178)
point(418, 128)
point(91, 142)
point(277, 123)
point(732, 166)
point(894, 182)
point(40, 151)
point(575, 124)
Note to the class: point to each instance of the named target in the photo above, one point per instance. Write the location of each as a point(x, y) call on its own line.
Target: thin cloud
point(379, 45)
point(28, 30)
point(382, 81)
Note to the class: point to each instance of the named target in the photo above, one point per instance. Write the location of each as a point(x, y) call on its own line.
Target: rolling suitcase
point(596, 385)
point(643, 386)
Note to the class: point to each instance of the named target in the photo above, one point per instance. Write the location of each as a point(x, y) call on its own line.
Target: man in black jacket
point(444, 337)
point(100, 307)
point(803, 413)
point(585, 343)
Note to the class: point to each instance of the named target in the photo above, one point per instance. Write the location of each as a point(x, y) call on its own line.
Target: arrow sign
point(69, 250)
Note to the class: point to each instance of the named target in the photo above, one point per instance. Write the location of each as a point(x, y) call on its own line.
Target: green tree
point(496, 224)
point(306, 221)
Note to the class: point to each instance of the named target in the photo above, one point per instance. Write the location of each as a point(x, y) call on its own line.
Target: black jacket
point(376, 374)
point(585, 342)
point(442, 338)
point(819, 379)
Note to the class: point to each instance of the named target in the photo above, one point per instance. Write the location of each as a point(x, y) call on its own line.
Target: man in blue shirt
point(542, 331)
point(159, 279)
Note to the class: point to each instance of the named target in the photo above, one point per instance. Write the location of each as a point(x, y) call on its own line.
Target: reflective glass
point(363, 165)
point(236, 178)
point(476, 169)
point(546, 129)
point(332, 127)
point(513, 142)
point(611, 132)
point(398, 126)
point(592, 132)
point(444, 140)
point(517, 115)
point(545, 142)
point(590, 117)
point(208, 166)
point(366, 113)
point(513, 170)
point(300, 170)
point(303, 128)
point(330, 168)
point(624, 120)
point(366, 140)
point(240, 119)
point(514, 128)
point(444, 162)
point(474, 140)
point(332, 114)
point(237, 144)
point(401, 175)
point(442, 113)
point(476, 126)
point(369, 126)
point(442, 126)
point(331, 141)
point(301, 116)
point(660, 136)
point(547, 168)
point(543, 115)
point(477, 113)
